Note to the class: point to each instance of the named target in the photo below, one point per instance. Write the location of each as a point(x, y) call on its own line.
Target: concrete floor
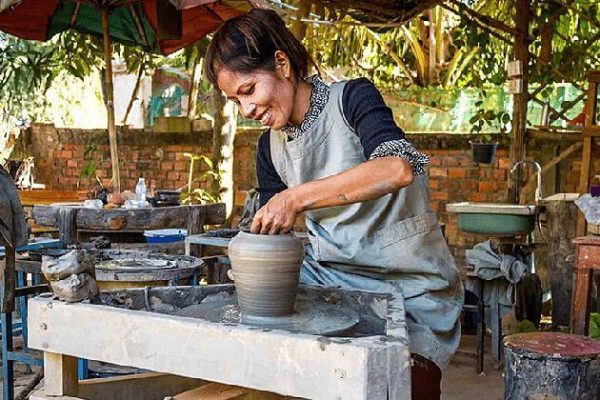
point(460, 380)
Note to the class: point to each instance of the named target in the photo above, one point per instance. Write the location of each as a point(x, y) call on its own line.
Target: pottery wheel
point(314, 318)
point(131, 264)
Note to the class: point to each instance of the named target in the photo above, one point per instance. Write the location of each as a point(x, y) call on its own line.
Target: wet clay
point(266, 269)
point(310, 316)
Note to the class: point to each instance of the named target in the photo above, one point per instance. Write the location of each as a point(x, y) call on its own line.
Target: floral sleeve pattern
point(402, 148)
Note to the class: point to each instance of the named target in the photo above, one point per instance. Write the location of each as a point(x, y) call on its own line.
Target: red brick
point(438, 195)
point(180, 166)
point(487, 186)
point(173, 175)
point(499, 174)
point(456, 172)
point(438, 172)
point(72, 163)
point(166, 165)
point(476, 196)
point(469, 184)
point(504, 163)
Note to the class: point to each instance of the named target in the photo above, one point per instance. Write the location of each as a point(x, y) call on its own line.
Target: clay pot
point(266, 269)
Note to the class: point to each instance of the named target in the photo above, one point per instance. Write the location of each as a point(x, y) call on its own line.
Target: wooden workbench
point(74, 221)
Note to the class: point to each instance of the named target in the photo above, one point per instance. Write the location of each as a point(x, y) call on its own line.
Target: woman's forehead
point(230, 81)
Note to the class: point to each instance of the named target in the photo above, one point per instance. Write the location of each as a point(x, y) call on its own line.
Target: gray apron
point(392, 244)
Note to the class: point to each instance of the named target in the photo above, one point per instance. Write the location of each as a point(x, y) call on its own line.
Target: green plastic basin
point(494, 219)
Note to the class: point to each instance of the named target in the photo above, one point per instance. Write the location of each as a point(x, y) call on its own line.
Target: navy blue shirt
point(364, 110)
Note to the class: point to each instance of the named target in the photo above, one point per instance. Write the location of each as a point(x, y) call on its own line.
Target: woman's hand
point(278, 215)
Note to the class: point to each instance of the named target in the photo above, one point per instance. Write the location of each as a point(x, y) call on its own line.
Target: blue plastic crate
point(165, 235)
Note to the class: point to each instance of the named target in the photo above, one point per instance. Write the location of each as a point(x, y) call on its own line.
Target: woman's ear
point(282, 64)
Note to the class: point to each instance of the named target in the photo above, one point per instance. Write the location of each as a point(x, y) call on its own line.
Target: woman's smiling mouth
point(265, 117)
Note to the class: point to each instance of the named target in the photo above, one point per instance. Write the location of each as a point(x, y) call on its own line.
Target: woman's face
point(264, 96)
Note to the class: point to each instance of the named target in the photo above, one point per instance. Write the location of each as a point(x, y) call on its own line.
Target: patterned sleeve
point(402, 148)
point(372, 120)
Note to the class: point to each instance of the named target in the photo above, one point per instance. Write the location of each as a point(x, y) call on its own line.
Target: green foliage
point(93, 158)
point(525, 326)
point(208, 179)
point(595, 326)
point(498, 121)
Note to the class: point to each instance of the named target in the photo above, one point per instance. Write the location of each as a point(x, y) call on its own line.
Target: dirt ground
point(460, 380)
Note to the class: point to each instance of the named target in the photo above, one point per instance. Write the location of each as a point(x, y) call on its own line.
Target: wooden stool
point(587, 260)
point(545, 365)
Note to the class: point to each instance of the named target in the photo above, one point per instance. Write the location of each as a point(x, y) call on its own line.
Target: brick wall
point(59, 155)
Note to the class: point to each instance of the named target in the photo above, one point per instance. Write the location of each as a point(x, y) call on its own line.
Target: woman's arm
point(367, 181)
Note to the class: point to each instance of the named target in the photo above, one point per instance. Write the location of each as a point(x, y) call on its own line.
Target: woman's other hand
point(278, 215)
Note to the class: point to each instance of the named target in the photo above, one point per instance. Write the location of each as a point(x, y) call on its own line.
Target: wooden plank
point(219, 391)
point(553, 133)
point(133, 219)
point(275, 361)
point(594, 76)
point(60, 374)
point(531, 182)
point(586, 160)
point(591, 131)
point(45, 197)
point(146, 386)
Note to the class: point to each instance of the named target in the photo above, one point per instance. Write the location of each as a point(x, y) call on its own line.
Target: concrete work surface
point(460, 380)
point(373, 364)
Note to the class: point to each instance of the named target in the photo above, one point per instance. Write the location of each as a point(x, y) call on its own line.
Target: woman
point(335, 154)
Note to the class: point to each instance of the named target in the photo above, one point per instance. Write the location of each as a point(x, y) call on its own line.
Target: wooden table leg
point(60, 375)
point(581, 301)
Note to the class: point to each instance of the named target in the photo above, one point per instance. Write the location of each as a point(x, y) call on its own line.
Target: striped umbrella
point(158, 26)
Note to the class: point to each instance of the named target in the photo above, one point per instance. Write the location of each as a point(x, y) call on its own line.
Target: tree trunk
point(134, 96)
point(222, 155)
point(196, 72)
point(519, 120)
point(115, 181)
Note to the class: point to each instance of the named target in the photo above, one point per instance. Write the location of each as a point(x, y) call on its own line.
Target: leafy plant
point(499, 121)
point(208, 179)
point(90, 155)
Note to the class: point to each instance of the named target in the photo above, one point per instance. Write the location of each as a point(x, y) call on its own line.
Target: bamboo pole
point(115, 181)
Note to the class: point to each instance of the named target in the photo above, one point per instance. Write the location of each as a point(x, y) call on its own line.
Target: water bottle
point(140, 191)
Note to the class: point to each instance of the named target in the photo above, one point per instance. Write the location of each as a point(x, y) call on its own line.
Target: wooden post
point(8, 282)
point(60, 375)
point(519, 118)
point(586, 158)
point(560, 217)
point(110, 105)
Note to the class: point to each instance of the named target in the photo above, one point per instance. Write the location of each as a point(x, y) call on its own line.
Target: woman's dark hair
point(248, 42)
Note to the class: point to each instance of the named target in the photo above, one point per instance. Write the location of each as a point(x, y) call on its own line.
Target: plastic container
point(140, 190)
point(165, 235)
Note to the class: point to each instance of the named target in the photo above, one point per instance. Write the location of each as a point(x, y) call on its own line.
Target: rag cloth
point(502, 272)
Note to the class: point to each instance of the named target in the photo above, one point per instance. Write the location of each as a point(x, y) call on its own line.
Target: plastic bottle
point(140, 190)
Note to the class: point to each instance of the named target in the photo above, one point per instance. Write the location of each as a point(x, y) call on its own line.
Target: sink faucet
point(538, 168)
